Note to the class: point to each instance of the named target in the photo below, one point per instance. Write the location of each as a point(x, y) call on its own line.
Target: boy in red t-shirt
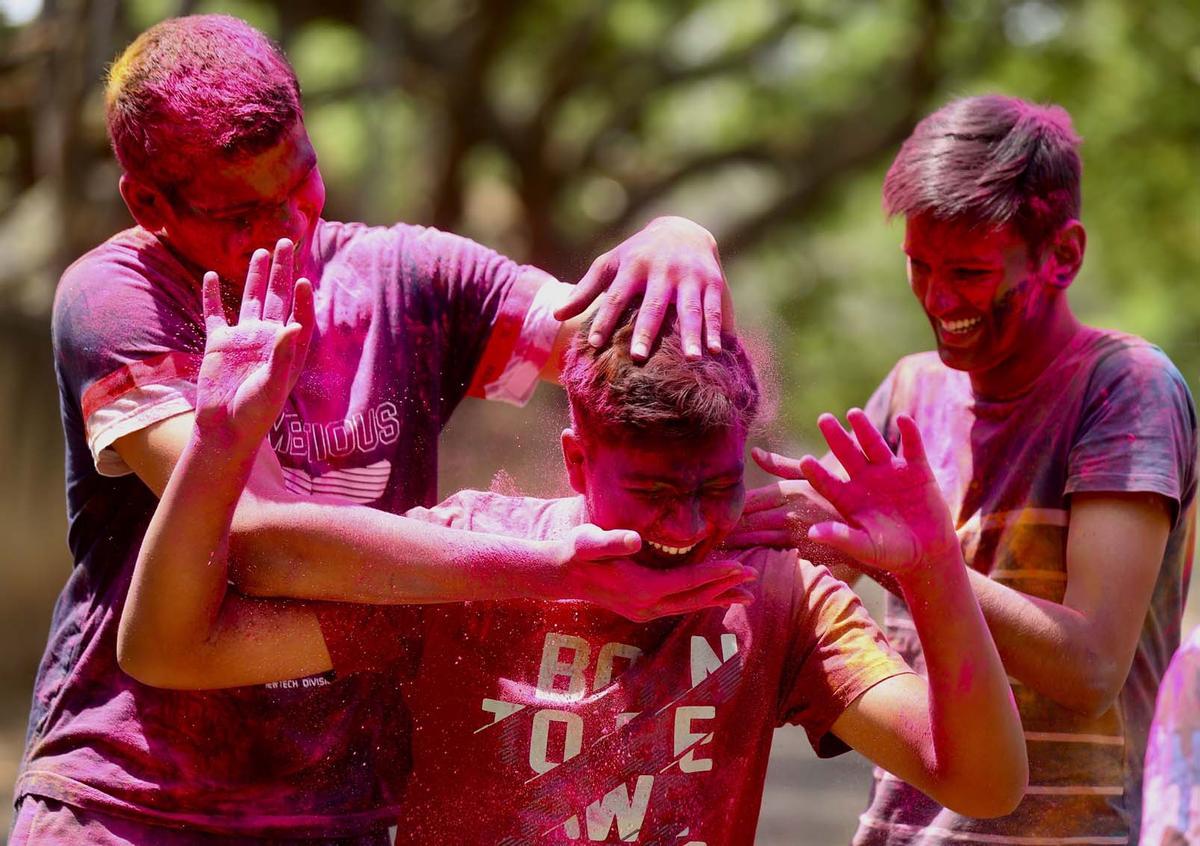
point(552, 721)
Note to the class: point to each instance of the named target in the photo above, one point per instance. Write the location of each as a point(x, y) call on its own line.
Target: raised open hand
point(672, 261)
point(895, 518)
point(250, 367)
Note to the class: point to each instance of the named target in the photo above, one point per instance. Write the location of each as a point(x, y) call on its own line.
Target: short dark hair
point(667, 396)
point(990, 160)
point(188, 87)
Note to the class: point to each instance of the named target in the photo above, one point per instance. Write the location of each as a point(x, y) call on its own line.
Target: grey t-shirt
point(1112, 414)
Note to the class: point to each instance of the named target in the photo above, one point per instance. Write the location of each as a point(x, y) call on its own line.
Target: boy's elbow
point(156, 664)
point(997, 797)
point(989, 788)
point(160, 673)
point(140, 664)
point(1094, 704)
point(1097, 691)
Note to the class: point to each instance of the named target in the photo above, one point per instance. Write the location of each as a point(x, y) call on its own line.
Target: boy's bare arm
point(1078, 652)
point(180, 626)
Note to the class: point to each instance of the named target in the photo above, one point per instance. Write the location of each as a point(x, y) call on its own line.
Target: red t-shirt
point(549, 722)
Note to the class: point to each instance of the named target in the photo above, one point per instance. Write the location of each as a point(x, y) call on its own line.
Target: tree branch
point(851, 142)
point(628, 111)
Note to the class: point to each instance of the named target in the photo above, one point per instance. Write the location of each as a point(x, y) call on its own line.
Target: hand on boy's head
point(672, 261)
point(250, 366)
point(893, 515)
point(597, 569)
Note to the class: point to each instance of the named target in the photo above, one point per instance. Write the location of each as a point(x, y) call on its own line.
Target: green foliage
point(549, 128)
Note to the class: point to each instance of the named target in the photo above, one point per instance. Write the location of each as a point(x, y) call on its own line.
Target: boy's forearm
point(180, 578)
point(1044, 644)
point(972, 714)
point(290, 546)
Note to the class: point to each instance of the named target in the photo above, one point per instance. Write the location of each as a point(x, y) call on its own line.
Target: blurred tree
point(549, 128)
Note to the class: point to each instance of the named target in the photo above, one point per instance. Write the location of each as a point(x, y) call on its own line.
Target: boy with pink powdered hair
point(1067, 454)
point(206, 120)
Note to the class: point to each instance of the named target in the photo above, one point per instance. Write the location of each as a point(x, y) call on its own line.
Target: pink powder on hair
point(191, 87)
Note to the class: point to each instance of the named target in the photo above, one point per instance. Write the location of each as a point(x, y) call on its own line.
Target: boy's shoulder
point(791, 585)
point(131, 255)
point(1114, 354)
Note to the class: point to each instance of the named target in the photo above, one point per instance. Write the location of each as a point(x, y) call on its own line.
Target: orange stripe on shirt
point(153, 370)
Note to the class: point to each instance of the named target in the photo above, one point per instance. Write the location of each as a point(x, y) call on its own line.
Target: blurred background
point(549, 129)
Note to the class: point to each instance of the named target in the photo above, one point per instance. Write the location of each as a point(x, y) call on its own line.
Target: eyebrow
point(253, 204)
point(953, 259)
point(659, 479)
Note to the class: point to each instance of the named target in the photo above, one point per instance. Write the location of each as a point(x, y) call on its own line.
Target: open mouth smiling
point(959, 327)
point(672, 550)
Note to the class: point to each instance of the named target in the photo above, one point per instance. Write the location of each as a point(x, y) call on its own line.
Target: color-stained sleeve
point(1138, 429)
point(495, 318)
point(835, 654)
point(521, 339)
point(127, 350)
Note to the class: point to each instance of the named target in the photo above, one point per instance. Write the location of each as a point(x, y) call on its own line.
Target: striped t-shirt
point(1112, 414)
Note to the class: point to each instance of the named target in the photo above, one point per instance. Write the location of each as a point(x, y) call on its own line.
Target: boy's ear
point(145, 202)
point(1064, 254)
point(576, 460)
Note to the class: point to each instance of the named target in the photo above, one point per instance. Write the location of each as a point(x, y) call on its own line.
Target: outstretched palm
point(249, 367)
point(895, 515)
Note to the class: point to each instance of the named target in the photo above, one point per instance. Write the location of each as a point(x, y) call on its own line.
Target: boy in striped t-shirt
point(1067, 455)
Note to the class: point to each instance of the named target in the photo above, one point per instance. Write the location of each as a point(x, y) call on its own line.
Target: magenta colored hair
point(190, 87)
point(991, 160)
point(668, 396)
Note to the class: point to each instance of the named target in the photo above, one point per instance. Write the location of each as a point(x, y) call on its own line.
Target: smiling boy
point(1067, 454)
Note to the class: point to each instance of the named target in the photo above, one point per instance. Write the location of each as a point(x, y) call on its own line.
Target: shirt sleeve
point(496, 317)
point(127, 345)
point(1138, 429)
point(836, 653)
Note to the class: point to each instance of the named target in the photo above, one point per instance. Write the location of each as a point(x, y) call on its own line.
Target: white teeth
point(960, 326)
point(673, 550)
